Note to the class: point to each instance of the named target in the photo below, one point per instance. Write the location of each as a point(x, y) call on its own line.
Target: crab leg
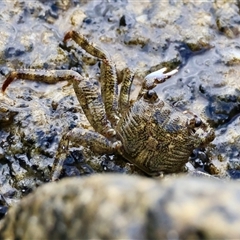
point(49, 76)
point(109, 90)
point(87, 94)
point(81, 137)
point(85, 44)
point(125, 90)
point(93, 107)
point(108, 76)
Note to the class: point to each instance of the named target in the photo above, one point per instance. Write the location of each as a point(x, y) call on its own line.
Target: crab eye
point(194, 122)
point(151, 96)
point(198, 122)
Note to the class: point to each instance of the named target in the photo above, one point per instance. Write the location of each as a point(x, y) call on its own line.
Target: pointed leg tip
point(8, 81)
point(68, 36)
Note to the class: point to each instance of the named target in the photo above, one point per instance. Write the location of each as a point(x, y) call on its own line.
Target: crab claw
point(152, 79)
point(160, 75)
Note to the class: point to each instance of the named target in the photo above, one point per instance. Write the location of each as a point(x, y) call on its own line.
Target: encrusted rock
point(127, 207)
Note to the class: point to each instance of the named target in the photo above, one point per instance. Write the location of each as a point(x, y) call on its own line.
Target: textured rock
point(127, 207)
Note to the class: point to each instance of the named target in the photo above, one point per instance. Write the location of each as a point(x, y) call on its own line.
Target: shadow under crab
point(149, 133)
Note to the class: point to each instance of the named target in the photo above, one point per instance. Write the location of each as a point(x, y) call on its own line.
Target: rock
point(127, 207)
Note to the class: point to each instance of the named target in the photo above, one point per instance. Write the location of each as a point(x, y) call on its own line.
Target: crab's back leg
point(47, 76)
point(78, 136)
point(87, 94)
point(127, 79)
point(108, 76)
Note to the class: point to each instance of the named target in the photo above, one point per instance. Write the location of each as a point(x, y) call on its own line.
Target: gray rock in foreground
point(127, 207)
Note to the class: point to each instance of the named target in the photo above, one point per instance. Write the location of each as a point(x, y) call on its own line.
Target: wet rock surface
point(118, 206)
point(201, 38)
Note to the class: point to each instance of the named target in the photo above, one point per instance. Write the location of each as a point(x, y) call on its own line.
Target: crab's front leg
point(81, 137)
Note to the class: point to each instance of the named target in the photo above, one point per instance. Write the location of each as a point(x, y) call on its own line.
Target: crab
point(149, 133)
